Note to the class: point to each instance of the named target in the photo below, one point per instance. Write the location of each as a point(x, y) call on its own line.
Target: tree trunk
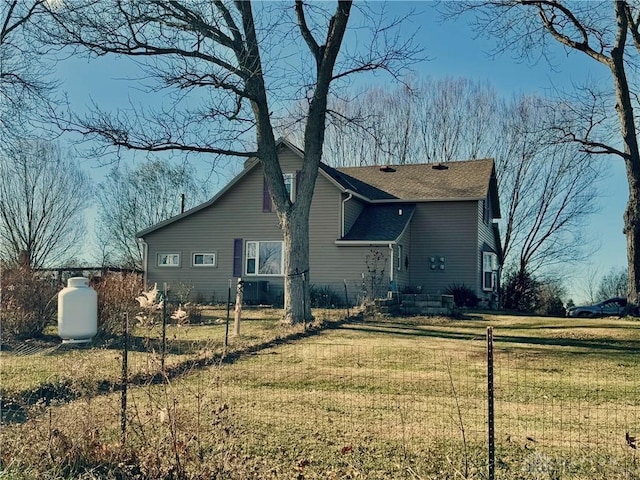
point(624, 107)
point(632, 231)
point(297, 304)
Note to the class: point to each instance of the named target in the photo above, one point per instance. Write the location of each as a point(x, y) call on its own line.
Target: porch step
point(416, 304)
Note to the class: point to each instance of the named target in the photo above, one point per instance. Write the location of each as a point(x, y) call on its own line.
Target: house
point(372, 229)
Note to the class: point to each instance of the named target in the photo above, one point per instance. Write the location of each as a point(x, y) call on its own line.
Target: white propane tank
point(77, 311)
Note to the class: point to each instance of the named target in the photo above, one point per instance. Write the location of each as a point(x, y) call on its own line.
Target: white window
point(489, 271)
point(264, 258)
point(204, 259)
point(399, 258)
point(168, 259)
point(289, 184)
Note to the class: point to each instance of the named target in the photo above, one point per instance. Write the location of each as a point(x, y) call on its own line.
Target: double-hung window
point(489, 271)
point(289, 184)
point(264, 258)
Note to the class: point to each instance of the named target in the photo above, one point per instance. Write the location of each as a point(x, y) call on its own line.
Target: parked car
point(609, 307)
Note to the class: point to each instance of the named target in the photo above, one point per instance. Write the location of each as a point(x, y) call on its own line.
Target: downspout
point(145, 253)
point(391, 261)
point(342, 232)
point(392, 287)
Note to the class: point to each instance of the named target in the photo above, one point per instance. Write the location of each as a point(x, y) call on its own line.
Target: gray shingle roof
point(457, 180)
point(351, 183)
point(381, 222)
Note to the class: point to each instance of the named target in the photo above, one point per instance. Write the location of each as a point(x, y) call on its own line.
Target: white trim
point(363, 243)
point(292, 191)
point(489, 265)
point(173, 255)
point(203, 254)
point(256, 259)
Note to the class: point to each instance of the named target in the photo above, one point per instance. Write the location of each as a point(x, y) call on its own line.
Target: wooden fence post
point(239, 296)
point(164, 327)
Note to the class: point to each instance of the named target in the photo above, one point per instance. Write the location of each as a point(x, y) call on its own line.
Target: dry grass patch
point(376, 399)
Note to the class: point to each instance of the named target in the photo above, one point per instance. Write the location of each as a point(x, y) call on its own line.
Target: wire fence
point(356, 406)
point(407, 401)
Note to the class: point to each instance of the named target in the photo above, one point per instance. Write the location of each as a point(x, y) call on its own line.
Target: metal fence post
point(346, 297)
point(226, 327)
point(125, 380)
point(490, 404)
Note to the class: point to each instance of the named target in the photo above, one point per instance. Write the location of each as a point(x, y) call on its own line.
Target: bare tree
point(613, 284)
point(212, 52)
point(457, 119)
point(546, 188)
point(24, 90)
point(429, 120)
point(43, 197)
point(607, 33)
point(132, 199)
point(588, 284)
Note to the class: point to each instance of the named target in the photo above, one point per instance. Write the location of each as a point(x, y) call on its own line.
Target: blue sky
point(453, 52)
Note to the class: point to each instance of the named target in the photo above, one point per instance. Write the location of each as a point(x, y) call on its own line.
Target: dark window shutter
point(237, 257)
point(266, 197)
point(297, 182)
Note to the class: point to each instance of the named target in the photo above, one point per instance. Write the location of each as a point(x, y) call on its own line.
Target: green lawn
point(380, 398)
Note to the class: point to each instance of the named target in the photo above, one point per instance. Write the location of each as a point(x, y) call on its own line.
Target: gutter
point(364, 243)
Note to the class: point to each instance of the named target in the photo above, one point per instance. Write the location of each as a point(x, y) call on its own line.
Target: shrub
point(411, 290)
point(325, 297)
point(29, 302)
point(463, 296)
point(520, 292)
point(187, 313)
point(117, 294)
point(180, 292)
point(549, 296)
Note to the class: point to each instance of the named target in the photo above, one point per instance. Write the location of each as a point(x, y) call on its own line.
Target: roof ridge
point(422, 164)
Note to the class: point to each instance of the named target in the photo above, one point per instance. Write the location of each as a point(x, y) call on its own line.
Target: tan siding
point(237, 214)
point(330, 265)
point(333, 266)
point(438, 229)
point(448, 230)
